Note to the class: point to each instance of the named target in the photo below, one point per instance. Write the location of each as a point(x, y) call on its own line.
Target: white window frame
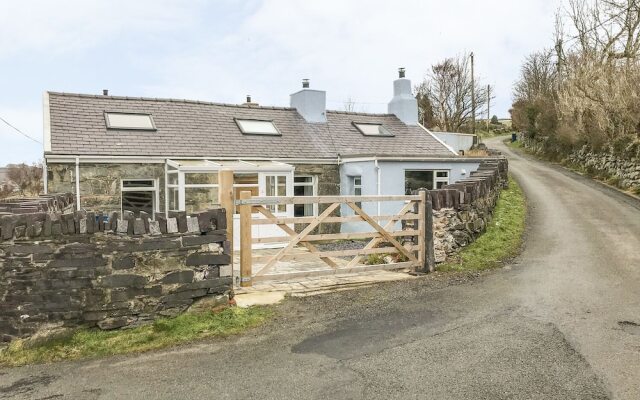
point(288, 178)
point(436, 179)
point(182, 186)
point(355, 186)
point(239, 122)
point(156, 197)
point(314, 190)
point(129, 128)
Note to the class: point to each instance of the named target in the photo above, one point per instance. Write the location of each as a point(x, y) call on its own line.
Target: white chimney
point(403, 105)
point(311, 104)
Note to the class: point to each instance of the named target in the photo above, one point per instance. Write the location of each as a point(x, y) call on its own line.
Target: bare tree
point(537, 77)
point(5, 190)
point(447, 89)
point(28, 178)
point(349, 105)
point(592, 95)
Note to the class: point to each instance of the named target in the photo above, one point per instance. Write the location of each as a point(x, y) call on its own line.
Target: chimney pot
point(105, 92)
point(248, 98)
point(401, 72)
point(305, 83)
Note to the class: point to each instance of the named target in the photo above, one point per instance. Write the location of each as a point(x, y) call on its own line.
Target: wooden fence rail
point(384, 239)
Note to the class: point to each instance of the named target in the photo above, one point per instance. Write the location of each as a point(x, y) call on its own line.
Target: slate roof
point(199, 129)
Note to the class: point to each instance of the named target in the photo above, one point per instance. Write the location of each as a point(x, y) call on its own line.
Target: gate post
point(225, 198)
point(425, 242)
point(245, 240)
point(430, 256)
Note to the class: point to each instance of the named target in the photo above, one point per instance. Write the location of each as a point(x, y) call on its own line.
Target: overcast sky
point(222, 50)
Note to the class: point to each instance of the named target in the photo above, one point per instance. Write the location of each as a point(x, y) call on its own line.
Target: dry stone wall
point(88, 269)
point(462, 211)
point(44, 203)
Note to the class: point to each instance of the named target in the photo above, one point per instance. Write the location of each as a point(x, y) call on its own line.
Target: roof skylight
point(369, 129)
point(119, 120)
point(257, 127)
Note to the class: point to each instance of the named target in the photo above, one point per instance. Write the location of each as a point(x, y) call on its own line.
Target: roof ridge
point(169, 100)
point(360, 113)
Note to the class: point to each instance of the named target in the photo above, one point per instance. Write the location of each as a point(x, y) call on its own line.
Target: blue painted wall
point(391, 183)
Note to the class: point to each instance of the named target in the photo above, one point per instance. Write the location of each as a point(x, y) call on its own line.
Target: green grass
point(90, 343)
point(502, 239)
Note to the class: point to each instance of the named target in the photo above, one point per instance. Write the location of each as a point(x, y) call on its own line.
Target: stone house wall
point(86, 269)
point(100, 183)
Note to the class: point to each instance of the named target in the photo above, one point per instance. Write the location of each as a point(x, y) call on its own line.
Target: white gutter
point(69, 158)
point(77, 183)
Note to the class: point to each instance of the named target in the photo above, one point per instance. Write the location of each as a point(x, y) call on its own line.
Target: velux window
point(119, 120)
point(257, 127)
point(369, 129)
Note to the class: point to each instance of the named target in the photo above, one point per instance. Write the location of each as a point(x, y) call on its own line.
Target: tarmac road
point(560, 322)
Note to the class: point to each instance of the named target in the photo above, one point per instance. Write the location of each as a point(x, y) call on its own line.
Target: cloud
point(352, 49)
point(64, 26)
point(222, 50)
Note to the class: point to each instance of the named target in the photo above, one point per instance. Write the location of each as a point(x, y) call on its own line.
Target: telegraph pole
point(473, 99)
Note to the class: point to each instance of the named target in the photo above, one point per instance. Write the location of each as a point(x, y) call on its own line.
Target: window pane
point(440, 184)
point(303, 179)
point(134, 183)
point(200, 199)
point(414, 180)
point(129, 121)
point(303, 210)
point(173, 199)
point(172, 179)
point(357, 180)
point(138, 201)
point(282, 186)
point(270, 188)
point(245, 179)
point(442, 174)
point(373, 130)
point(357, 191)
point(201, 178)
point(257, 127)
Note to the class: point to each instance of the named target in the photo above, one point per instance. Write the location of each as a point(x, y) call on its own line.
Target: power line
point(19, 131)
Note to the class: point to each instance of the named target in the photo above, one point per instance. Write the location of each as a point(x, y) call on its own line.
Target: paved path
point(558, 323)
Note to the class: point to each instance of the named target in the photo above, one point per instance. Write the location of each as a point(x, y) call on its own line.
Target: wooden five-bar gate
point(412, 243)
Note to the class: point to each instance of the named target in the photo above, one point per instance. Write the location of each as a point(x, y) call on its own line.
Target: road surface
point(560, 322)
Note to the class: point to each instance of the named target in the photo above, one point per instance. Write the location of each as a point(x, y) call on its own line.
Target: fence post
point(225, 198)
point(245, 240)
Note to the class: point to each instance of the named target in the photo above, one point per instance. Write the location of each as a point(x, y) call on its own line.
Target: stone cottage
point(156, 155)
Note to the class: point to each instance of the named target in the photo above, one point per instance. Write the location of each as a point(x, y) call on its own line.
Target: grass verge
point(501, 240)
point(90, 343)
